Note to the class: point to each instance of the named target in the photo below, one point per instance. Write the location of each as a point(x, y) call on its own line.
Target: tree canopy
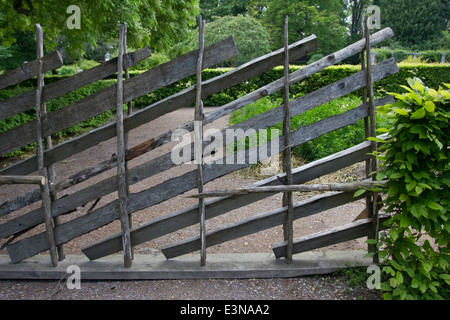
point(248, 33)
point(151, 23)
point(418, 24)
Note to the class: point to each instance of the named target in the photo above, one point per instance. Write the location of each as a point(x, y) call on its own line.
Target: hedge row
point(434, 75)
point(430, 56)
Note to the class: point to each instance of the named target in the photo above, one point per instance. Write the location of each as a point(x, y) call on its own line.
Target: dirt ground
point(311, 288)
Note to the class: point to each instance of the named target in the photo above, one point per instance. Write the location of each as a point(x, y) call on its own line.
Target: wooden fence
point(57, 234)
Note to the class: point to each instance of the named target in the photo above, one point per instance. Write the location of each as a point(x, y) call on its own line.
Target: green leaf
point(371, 241)
point(358, 193)
point(419, 114)
point(385, 287)
point(402, 112)
point(396, 175)
point(429, 106)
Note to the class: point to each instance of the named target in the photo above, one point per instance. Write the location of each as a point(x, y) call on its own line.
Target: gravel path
point(323, 287)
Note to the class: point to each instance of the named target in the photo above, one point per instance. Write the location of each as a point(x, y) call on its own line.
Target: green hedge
point(433, 75)
point(430, 56)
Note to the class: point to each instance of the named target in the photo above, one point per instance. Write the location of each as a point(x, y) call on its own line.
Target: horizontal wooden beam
point(25, 101)
point(156, 267)
point(346, 187)
point(22, 180)
point(215, 207)
point(103, 100)
point(172, 103)
point(350, 231)
point(260, 222)
point(30, 69)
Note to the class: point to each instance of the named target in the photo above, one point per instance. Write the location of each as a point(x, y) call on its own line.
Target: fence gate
point(101, 260)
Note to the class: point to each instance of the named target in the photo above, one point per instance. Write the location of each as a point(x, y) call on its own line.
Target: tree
point(248, 33)
point(150, 22)
point(357, 8)
point(417, 24)
point(324, 18)
point(220, 8)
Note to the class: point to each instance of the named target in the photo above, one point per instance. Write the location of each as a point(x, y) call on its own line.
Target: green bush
point(67, 70)
point(429, 56)
point(415, 159)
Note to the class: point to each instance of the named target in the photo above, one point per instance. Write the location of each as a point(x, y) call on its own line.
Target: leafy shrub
point(416, 165)
point(87, 64)
point(67, 70)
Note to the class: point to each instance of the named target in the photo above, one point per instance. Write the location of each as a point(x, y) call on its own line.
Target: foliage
point(155, 23)
point(213, 9)
point(248, 33)
point(417, 24)
point(427, 56)
point(66, 70)
point(416, 165)
point(23, 50)
point(325, 19)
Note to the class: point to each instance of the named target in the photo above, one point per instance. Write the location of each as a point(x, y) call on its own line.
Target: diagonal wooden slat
point(30, 69)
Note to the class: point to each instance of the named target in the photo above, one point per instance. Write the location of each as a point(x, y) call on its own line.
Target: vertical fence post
point(129, 112)
point(198, 136)
point(121, 169)
point(287, 162)
point(372, 129)
point(42, 170)
point(367, 133)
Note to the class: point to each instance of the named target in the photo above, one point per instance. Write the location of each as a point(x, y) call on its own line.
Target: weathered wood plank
point(198, 136)
point(24, 101)
point(30, 69)
point(22, 180)
point(346, 187)
point(121, 170)
point(103, 99)
point(287, 152)
point(42, 170)
point(215, 207)
point(260, 222)
point(350, 231)
point(182, 99)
